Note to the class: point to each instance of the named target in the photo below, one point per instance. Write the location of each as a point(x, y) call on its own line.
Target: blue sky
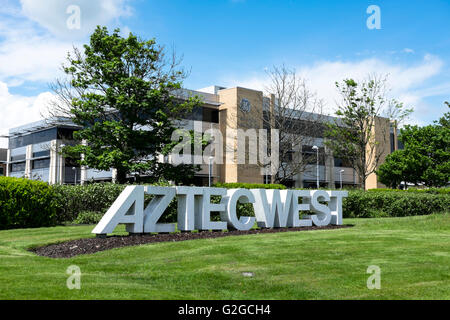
point(232, 42)
point(246, 36)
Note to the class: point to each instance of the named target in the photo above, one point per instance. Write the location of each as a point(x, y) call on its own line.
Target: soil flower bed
point(92, 245)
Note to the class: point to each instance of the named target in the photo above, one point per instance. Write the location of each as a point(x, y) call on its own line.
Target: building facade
point(34, 149)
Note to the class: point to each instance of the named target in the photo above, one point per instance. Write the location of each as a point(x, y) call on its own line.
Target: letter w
point(272, 207)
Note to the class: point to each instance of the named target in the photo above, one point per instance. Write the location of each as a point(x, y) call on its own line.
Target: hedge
point(72, 200)
point(94, 199)
point(97, 198)
point(26, 204)
point(88, 217)
point(360, 204)
point(416, 190)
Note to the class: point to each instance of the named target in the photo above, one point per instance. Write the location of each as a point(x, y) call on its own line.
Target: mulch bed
point(91, 245)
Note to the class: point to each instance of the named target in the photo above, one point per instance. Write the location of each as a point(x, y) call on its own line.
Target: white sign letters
point(273, 209)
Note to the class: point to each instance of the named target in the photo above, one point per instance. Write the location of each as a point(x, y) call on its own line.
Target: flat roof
point(41, 125)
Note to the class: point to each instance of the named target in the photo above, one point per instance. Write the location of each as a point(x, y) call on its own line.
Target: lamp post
point(210, 170)
point(317, 175)
point(340, 176)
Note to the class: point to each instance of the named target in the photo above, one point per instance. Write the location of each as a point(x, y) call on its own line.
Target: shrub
point(98, 197)
point(26, 204)
point(88, 217)
point(360, 204)
point(416, 190)
point(72, 200)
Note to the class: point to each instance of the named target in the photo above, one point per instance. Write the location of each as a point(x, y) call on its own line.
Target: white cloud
point(34, 42)
point(53, 14)
point(17, 110)
point(403, 79)
point(30, 53)
point(31, 57)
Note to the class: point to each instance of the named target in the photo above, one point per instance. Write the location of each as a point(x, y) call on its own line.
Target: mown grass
point(413, 254)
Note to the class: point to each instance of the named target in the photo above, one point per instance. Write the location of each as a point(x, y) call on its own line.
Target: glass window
point(17, 167)
point(310, 155)
point(18, 158)
point(44, 136)
point(210, 115)
point(195, 115)
point(392, 140)
point(41, 154)
point(18, 142)
point(33, 138)
point(401, 146)
point(287, 152)
point(41, 164)
point(288, 156)
point(342, 163)
point(72, 175)
point(65, 133)
point(203, 114)
point(297, 126)
point(2, 171)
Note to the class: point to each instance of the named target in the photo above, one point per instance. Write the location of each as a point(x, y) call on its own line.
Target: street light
point(317, 175)
point(210, 170)
point(340, 176)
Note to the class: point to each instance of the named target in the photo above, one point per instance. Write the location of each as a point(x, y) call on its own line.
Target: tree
point(298, 117)
point(425, 158)
point(352, 137)
point(122, 92)
point(430, 147)
point(399, 167)
point(296, 113)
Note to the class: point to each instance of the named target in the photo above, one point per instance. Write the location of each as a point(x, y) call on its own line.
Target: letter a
point(74, 21)
point(374, 21)
point(128, 209)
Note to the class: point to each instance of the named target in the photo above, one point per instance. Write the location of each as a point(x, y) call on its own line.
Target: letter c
point(230, 215)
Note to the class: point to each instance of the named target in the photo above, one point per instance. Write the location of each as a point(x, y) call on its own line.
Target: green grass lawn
point(413, 254)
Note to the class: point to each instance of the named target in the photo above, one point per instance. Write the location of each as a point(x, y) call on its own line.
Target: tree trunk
point(121, 176)
point(363, 183)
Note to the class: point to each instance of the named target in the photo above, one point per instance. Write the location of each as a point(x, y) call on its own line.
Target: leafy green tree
point(397, 168)
point(124, 93)
point(425, 158)
point(352, 137)
point(430, 147)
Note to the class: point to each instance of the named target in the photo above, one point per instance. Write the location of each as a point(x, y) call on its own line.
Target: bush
point(72, 200)
point(416, 190)
point(98, 197)
point(26, 204)
point(360, 204)
point(88, 217)
point(95, 199)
